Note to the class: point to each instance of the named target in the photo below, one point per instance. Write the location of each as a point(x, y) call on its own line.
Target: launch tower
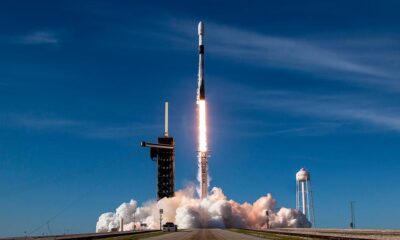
point(163, 153)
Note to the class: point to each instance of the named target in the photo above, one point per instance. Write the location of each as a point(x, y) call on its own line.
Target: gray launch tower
point(163, 153)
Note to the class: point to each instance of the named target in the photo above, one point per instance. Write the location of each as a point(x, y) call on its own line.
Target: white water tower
point(304, 200)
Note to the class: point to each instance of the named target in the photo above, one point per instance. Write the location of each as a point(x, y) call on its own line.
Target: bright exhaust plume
point(202, 174)
point(202, 126)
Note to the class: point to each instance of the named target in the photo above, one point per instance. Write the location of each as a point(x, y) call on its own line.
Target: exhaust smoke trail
point(214, 211)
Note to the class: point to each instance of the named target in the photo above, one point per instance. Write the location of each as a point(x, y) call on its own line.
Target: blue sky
point(289, 84)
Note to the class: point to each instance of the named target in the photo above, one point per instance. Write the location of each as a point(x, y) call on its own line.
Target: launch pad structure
point(163, 153)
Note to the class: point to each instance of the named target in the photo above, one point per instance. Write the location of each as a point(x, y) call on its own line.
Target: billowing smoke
point(215, 211)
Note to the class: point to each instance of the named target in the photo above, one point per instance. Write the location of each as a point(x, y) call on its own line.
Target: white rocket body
point(201, 88)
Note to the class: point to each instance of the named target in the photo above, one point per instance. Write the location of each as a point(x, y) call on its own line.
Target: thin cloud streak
point(313, 129)
point(332, 107)
point(84, 129)
point(42, 123)
point(323, 111)
point(50, 38)
point(255, 130)
point(40, 37)
point(286, 53)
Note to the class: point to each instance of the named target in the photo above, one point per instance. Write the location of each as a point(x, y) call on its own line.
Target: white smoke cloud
point(215, 211)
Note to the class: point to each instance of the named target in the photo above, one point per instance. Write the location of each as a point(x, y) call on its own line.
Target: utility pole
point(267, 213)
point(161, 213)
point(134, 221)
point(48, 227)
point(352, 215)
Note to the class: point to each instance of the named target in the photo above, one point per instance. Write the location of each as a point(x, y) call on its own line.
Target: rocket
point(201, 103)
point(201, 95)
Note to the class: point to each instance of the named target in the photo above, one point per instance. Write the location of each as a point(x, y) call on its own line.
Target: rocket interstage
point(202, 120)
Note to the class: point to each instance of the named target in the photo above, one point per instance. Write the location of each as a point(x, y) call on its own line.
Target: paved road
point(205, 234)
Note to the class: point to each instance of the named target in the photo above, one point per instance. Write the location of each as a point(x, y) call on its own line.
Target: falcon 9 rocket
point(202, 123)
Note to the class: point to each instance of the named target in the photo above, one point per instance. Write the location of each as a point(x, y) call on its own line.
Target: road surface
point(204, 234)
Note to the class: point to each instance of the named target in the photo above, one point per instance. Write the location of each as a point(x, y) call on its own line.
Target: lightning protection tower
point(304, 199)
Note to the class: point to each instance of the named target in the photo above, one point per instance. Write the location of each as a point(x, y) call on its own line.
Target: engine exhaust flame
point(202, 126)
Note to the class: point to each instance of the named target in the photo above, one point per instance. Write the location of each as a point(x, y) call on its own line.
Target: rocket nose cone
point(201, 28)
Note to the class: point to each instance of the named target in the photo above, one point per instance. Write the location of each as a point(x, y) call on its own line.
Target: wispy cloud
point(119, 131)
point(263, 128)
point(362, 61)
point(289, 112)
point(341, 108)
point(311, 129)
point(29, 121)
point(86, 129)
point(40, 37)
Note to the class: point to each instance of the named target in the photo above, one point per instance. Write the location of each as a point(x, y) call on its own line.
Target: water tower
point(304, 200)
